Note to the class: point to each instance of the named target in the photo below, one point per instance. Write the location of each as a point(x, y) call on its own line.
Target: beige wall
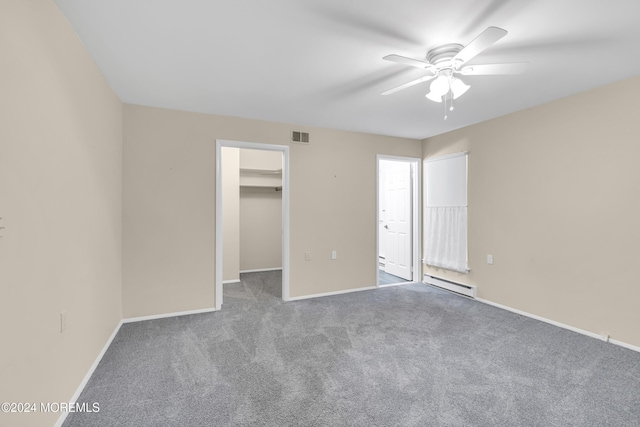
point(260, 160)
point(260, 210)
point(260, 229)
point(169, 185)
point(231, 213)
point(553, 196)
point(60, 200)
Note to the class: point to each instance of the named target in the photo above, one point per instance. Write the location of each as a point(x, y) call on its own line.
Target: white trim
point(446, 156)
point(228, 282)
point(218, 228)
point(416, 224)
point(285, 212)
point(259, 270)
point(560, 325)
point(625, 345)
point(398, 158)
point(85, 380)
point(162, 316)
point(328, 294)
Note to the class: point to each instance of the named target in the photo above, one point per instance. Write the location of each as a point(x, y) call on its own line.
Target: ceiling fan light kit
point(439, 87)
point(445, 83)
point(445, 61)
point(458, 87)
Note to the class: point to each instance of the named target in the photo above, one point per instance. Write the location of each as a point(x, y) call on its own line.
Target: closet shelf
point(274, 187)
point(261, 178)
point(246, 171)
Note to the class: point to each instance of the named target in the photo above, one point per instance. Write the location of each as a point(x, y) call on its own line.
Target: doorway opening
point(262, 177)
point(398, 214)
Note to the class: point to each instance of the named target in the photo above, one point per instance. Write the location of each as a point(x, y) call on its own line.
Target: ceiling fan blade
point(406, 85)
point(494, 69)
point(480, 43)
point(407, 61)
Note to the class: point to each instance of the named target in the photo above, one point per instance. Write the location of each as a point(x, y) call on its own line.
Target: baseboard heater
point(459, 288)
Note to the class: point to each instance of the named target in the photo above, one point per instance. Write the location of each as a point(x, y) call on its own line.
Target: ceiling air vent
point(302, 137)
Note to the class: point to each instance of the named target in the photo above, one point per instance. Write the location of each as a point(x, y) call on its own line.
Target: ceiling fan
point(444, 63)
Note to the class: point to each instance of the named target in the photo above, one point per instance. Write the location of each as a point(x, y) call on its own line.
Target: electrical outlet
point(307, 256)
point(334, 254)
point(489, 259)
point(63, 321)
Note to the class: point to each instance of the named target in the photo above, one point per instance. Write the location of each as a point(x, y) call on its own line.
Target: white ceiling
point(319, 62)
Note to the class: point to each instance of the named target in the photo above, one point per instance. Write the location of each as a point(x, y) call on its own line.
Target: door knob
point(386, 226)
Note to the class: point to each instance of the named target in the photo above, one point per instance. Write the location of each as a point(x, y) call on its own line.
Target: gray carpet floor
point(385, 278)
point(399, 356)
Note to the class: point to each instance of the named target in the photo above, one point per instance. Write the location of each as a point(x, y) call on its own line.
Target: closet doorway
point(398, 212)
point(252, 212)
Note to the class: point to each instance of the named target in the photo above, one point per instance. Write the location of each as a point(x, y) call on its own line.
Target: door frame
point(416, 213)
point(219, 227)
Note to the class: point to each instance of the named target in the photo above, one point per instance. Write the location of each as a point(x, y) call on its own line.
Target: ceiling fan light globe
point(440, 85)
point(434, 97)
point(458, 87)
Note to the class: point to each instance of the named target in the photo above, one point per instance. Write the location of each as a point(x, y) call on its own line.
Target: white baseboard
point(560, 325)
point(260, 270)
point(85, 380)
point(625, 345)
point(327, 294)
point(162, 316)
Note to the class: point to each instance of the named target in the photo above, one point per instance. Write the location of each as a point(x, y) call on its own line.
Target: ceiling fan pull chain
point(445, 107)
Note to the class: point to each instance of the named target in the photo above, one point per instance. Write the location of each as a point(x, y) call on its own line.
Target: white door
point(397, 221)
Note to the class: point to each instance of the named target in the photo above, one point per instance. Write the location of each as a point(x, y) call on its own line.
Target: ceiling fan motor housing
point(441, 56)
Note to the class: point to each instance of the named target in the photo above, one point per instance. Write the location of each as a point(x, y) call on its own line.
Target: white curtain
point(446, 237)
point(445, 230)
